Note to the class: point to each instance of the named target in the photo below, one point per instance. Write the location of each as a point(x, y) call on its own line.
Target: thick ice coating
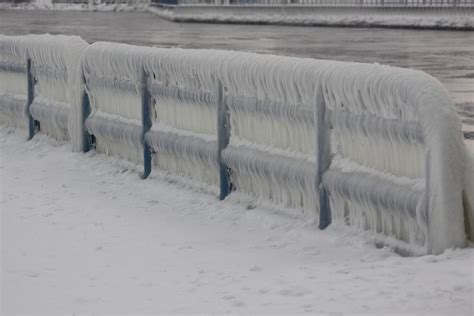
point(55, 66)
point(398, 163)
point(393, 122)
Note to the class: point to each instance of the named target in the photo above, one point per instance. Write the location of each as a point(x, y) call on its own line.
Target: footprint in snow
point(255, 269)
point(239, 304)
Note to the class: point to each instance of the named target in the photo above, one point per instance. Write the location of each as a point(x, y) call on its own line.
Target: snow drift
point(396, 165)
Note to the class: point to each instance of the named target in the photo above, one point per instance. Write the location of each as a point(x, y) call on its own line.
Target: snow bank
point(397, 162)
point(55, 64)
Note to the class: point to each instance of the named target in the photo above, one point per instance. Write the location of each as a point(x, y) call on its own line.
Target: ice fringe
point(55, 66)
point(420, 197)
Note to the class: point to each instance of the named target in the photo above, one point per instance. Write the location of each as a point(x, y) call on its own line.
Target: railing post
point(223, 137)
point(86, 111)
point(30, 97)
point(146, 124)
point(323, 152)
point(428, 202)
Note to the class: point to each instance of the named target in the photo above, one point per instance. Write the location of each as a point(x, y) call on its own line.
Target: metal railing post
point(223, 138)
point(29, 100)
point(146, 124)
point(86, 111)
point(323, 151)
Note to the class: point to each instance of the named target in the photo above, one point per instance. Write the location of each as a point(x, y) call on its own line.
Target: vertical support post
point(223, 137)
point(428, 196)
point(30, 97)
point(146, 124)
point(323, 155)
point(86, 111)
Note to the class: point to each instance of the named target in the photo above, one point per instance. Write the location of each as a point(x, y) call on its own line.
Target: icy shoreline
point(429, 18)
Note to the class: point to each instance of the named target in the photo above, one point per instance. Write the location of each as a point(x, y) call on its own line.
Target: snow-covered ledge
point(350, 15)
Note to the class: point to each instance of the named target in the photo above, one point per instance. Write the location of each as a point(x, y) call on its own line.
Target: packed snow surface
point(92, 237)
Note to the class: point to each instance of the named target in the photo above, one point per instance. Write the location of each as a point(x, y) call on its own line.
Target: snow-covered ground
point(82, 233)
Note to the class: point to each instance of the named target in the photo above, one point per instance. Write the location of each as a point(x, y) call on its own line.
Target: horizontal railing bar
point(369, 125)
point(113, 84)
point(12, 67)
point(41, 71)
point(160, 91)
point(13, 104)
point(365, 188)
point(270, 108)
point(268, 164)
point(44, 111)
point(114, 129)
point(182, 145)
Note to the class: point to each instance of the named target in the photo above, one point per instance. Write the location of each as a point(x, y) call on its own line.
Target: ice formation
point(54, 66)
point(186, 155)
point(390, 123)
point(13, 85)
point(398, 163)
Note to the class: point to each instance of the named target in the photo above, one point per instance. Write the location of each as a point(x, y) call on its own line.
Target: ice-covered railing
point(13, 82)
point(38, 88)
point(374, 147)
point(371, 146)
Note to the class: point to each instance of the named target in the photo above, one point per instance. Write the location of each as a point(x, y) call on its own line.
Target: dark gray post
point(86, 111)
point(30, 97)
point(323, 152)
point(146, 125)
point(223, 137)
point(428, 196)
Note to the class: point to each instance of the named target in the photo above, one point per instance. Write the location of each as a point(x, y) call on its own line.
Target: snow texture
point(93, 238)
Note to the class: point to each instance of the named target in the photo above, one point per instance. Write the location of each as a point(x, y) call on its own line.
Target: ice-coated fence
point(38, 87)
point(374, 147)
